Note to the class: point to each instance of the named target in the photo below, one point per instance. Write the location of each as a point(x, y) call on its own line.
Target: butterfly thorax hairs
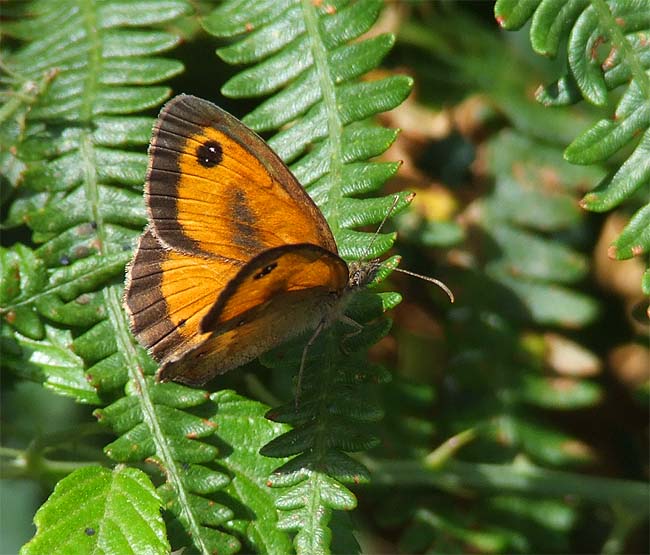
point(362, 272)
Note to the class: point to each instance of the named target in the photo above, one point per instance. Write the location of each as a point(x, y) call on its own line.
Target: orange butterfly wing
point(168, 293)
point(215, 188)
point(237, 257)
point(276, 296)
point(287, 269)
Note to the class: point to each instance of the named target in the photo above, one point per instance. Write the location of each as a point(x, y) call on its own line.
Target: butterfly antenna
point(364, 256)
point(429, 279)
point(372, 242)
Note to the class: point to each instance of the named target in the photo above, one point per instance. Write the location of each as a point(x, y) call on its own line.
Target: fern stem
point(457, 475)
point(113, 300)
point(625, 521)
point(331, 210)
point(450, 447)
point(334, 123)
point(127, 347)
point(89, 97)
point(315, 503)
point(613, 29)
point(25, 464)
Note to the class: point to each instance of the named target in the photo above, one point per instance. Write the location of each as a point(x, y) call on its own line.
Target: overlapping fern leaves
point(302, 55)
point(608, 47)
point(525, 264)
point(73, 162)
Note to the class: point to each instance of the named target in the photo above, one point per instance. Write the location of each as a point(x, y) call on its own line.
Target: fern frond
point(519, 259)
point(607, 48)
point(237, 418)
point(526, 237)
point(89, 507)
point(78, 161)
point(303, 55)
point(533, 266)
point(161, 428)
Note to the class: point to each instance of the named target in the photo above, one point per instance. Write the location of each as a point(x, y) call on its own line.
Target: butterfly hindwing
point(273, 298)
point(279, 271)
point(168, 293)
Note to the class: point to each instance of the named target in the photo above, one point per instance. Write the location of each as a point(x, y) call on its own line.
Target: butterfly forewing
point(215, 188)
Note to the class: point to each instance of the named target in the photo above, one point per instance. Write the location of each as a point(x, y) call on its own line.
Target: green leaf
point(50, 361)
point(96, 510)
point(244, 430)
point(548, 303)
point(230, 19)
point(634, 240)
point(633, 175)
point(526, 255)
point(167, 431)
point(551, 23)
point(23, 276)
point(543, 443)
point(512, 14)
point(561, 393)
point(606, 137)
point(535, 268)
point(606, 48)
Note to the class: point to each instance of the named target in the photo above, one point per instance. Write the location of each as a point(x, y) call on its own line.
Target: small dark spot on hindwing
point(266, 270)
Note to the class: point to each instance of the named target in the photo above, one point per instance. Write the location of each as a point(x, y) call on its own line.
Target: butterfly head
point(362, 272)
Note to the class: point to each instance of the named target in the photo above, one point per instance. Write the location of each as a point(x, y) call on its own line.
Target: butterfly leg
point(358, 328)
point(303, 358)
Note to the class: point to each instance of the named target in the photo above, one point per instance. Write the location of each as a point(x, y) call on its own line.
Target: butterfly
point(236, 258)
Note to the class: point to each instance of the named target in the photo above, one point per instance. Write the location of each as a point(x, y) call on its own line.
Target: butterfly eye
point(267, 270)
point(209, 154)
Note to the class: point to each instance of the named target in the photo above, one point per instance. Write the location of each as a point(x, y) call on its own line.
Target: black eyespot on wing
point(209, 154)
point(266, 270)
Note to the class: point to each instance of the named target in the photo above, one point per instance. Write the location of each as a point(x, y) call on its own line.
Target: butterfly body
point(236, 258)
